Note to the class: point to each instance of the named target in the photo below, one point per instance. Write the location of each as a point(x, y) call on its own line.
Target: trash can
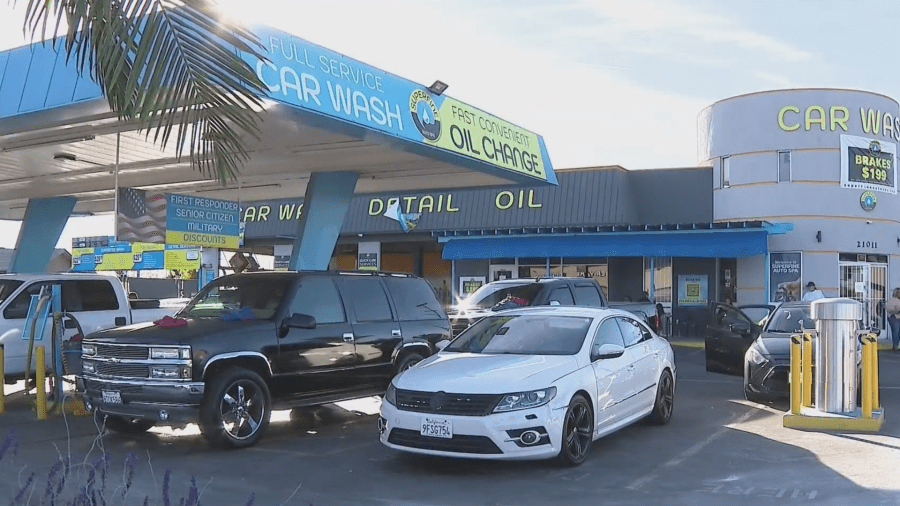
point(835, 350)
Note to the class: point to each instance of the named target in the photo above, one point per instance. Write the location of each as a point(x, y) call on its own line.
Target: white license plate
point(111, 397)
point(436, 428)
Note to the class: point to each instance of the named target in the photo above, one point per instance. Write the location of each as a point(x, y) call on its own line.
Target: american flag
point(142, 216)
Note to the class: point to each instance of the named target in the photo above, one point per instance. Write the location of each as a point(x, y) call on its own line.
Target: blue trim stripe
point(719, 244)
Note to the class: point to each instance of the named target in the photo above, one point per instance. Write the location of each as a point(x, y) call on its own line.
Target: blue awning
point(737, 243)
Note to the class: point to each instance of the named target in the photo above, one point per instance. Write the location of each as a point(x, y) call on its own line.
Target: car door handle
point(348, 337)
point(395, 333)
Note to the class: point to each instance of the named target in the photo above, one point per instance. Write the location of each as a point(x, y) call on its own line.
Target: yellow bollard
point(806, 357)
point(876, 402)
point(41, 395)
point(796, 381)
point(2, 380)
point(867, 378)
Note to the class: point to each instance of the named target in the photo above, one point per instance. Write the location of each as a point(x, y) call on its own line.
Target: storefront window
point(662, 279)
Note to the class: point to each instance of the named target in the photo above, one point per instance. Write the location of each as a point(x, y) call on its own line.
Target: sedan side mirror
point(606, 351)
point(740, 328)
point(554, 302)
point(440, 345)
point(299, 321)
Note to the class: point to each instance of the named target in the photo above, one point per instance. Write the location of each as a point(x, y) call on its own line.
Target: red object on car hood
point(167, 322)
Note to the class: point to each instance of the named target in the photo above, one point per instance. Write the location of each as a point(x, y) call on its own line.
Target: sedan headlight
point(755, 357)
point(170, 353)
point(170, 372)
point(525, 400)
point(390, 396)
point(88, 349)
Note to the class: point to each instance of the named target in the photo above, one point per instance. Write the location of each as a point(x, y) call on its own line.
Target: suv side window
point(368, 300)
point(89, 295)
point(587, 295)
point(631, 331)
point(319, 298)
point(414, 299)
point(562, 295)
point(609, 333)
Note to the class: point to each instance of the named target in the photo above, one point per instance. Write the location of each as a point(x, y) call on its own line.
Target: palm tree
point(169, 66)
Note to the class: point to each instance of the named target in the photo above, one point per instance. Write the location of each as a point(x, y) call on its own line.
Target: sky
point(604, 81)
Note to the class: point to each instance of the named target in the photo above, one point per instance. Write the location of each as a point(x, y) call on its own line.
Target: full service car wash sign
point(202, 222)
point(315, 78)
point(868, 164)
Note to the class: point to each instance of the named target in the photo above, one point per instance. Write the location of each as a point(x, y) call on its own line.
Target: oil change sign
point(317, 79)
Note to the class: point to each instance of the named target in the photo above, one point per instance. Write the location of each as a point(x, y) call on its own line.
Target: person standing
point(812, 293)
point(892, 308)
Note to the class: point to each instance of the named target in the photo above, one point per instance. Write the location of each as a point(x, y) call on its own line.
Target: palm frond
point(170, 66)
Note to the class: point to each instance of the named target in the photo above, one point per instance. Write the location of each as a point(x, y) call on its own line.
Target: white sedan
point(532, 383)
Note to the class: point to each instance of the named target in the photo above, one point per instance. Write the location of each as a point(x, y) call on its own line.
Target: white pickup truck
point(98, 302)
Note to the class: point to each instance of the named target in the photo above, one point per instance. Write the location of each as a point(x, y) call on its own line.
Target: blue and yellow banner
point(124, 256)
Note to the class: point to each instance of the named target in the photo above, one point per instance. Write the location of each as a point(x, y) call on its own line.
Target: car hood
point(774, 345)
point(478, 373)
point(196, 328)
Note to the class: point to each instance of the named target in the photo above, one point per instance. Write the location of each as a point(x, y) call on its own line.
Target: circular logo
point(868, 200)
point(425, 115)
point(875, 147)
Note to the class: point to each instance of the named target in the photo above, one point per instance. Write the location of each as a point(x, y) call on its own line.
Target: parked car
point(532, 383)
point(516, 293)
point(767, 362)
point(729, 333)
point(96, 301)
point(250, 343)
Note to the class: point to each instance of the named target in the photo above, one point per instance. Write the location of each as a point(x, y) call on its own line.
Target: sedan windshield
point(790, 320)
point(248, 297)
point(523, 335)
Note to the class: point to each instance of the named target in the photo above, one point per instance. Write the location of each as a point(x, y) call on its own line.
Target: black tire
point(408, 361)
point(122, 424)
point(665, 400)
point(235, 410)
point(578, 432)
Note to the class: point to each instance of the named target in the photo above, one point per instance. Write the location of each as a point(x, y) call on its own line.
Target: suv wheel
point(235, 410)
point(408, 361)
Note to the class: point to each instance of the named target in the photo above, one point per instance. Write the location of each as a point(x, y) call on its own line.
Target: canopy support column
point(43, 224)
point(325, 206)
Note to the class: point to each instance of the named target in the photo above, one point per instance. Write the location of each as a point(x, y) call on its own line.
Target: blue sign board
point(199, 221)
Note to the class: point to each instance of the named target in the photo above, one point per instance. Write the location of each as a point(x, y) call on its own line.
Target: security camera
point(868, 222)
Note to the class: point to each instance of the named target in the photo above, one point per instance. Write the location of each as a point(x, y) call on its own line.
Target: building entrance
point(865, 280)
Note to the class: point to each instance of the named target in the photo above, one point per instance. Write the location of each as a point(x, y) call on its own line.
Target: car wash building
point(791, 186)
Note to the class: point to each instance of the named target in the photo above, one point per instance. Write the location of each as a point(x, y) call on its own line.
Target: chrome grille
point(123, 352)
point(447, 404)
point(121, 370)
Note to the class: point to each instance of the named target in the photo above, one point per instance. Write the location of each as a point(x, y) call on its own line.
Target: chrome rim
point(578, 431)
point(666, 397)
point(242, 409)
point(409, 364)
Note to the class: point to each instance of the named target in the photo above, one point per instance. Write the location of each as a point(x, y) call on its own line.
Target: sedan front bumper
point(496, 436)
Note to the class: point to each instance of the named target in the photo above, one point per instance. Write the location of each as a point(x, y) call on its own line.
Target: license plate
point(111, 397)
point(436, 428)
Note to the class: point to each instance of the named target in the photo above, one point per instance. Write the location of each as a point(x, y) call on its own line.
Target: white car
point(532, 383)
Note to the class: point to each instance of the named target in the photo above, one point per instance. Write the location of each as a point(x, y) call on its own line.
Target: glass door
point(867, 283)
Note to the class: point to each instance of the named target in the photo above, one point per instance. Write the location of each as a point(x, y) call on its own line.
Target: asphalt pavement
point(718, 450)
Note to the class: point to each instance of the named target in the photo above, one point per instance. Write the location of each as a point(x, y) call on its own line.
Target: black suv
point(512, 293)
point(251, 343)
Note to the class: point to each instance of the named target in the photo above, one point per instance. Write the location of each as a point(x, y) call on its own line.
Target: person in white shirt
point(812, 293)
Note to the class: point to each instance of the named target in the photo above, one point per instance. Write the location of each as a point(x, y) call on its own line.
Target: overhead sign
point(199, 221)
point(317, 79)
point(125, 256)
point(785, 275)
point(168, 218)
point(868, 164)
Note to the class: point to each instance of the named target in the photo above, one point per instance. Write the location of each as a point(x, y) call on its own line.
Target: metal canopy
point(58, 138)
